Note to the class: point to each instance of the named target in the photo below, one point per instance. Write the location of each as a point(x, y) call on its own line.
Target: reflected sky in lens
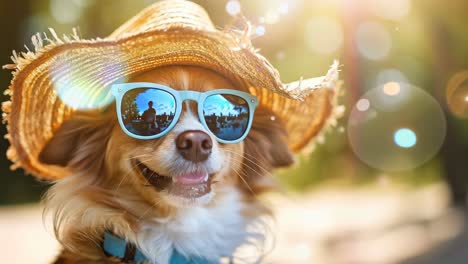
point(163, 102)
point(226, 116)
point(147, 111)
point(219, 105)
point(150, 111)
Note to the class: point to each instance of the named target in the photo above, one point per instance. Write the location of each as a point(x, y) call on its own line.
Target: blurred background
point(387, 185)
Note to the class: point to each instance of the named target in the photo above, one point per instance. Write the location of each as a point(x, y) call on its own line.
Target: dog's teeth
point(145, 171)
point(174, 179)
point(206, 178)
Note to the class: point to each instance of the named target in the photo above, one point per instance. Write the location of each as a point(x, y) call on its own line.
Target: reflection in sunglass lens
point(227, 116)
point(147, 111)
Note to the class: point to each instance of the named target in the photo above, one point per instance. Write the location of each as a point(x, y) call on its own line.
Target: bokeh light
point(391, 88)
point(65, 12)
point(391, 9)
point(84, 3)
point(260, 30)
point(363, 105)
point(272, 17)
point(233, 7)
point(319, 42)
point(373, 41)
point(272, 11)
point(280, 55)
point(397, 131)
point(283, 8)
point(390, 96)
point(390, 75)
point(457, 94)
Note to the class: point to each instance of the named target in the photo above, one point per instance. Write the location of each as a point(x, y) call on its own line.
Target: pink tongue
point(191, 178)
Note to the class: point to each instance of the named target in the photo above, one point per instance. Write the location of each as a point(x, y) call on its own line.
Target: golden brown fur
point(105, 192)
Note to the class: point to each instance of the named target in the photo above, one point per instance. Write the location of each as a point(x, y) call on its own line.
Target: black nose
point(194, 145)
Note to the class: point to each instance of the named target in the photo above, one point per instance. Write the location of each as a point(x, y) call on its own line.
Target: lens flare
point(405, 138)
point(457, 94)
point(83, 89)
point(272, 17)
point(396, 131)
point(233, 7)
point(283, 8)
point(390, 75)
point(260, 30)
point(391, 88)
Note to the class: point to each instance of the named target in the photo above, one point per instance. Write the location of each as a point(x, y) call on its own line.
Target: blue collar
point(117, 247)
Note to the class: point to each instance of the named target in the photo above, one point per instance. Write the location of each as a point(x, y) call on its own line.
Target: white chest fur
point(207, 232)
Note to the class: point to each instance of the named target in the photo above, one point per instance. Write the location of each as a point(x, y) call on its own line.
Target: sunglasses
point(150, 110)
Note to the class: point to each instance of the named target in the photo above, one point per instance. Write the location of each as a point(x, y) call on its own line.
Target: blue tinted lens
point(227, 116)
point(147, 111)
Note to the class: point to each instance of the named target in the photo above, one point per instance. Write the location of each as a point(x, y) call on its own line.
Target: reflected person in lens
point(149, 117)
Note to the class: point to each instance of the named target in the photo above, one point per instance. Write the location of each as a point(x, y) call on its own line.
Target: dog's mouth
point(188, 185)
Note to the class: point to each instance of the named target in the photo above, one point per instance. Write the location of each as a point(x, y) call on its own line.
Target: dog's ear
point(83, 137)
point(269, 140)
point(59, 150)
point(265, 148)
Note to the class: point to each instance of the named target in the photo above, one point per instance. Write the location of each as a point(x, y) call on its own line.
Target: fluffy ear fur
point(70, 145)
point(265, 148)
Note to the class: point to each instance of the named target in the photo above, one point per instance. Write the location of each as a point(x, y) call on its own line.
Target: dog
point(142, 190)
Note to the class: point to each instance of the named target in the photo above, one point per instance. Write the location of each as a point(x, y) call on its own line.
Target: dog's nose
point(194, 145)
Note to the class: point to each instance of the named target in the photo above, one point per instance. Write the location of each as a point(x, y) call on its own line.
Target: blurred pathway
point(454, 251)
point(23, 238)
point(383, 225)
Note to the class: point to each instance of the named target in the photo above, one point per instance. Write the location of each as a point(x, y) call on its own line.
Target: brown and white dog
point(134, 189)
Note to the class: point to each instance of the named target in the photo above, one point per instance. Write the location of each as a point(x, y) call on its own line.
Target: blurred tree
point(15, 187)
point(448, 59)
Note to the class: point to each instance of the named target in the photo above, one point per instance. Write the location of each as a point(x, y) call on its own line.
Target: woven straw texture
point(171, 32)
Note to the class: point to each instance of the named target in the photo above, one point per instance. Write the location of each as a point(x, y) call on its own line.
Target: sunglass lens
point(147, 111)
point(227, 116)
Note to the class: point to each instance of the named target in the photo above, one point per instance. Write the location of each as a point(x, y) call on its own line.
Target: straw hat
point(64, 74)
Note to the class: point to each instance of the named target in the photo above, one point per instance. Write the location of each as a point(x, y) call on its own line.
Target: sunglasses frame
point(119, 90)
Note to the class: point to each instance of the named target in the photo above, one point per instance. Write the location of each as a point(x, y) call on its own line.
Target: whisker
point(240, 161)
point(236, 162)
point(147, 210)
point(253, 160)
point(246, 183)
point(126, 174)
point(141, 155)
